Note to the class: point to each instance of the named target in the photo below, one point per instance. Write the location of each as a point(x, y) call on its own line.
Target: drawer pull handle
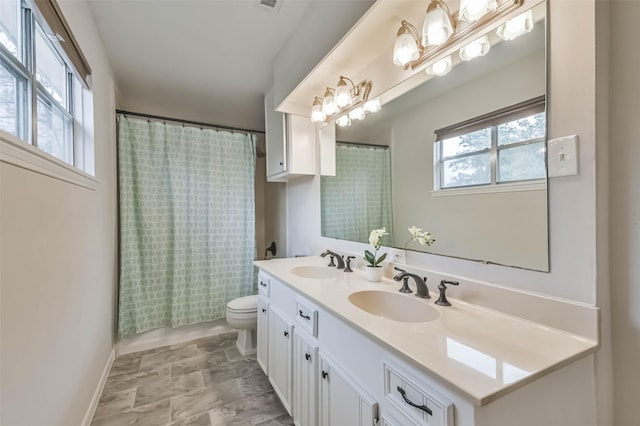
point(307, 357)
point(264, 310)
point(307, 317)
point(286, 334)
point(324, 374)
point(413, 404)
point(263, 284)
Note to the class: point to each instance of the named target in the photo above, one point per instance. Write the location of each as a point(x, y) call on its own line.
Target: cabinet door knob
point(307, 357)
point(286, 334)
point(281, 163)
point(324, 374)
point(264, 310)
point(413, 404)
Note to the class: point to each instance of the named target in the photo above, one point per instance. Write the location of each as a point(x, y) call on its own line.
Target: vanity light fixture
point(438, 25)
point(405, 49)
point(516, 27)
point(329, 106)
point(411, 51)
point(473, 10)
point(343, 121)
point(357, 114)
point(343, 92)
point(372, 106)
point(440, 68)
point(475, 49)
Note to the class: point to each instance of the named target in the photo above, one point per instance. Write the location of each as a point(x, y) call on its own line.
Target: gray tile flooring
point(205, 382)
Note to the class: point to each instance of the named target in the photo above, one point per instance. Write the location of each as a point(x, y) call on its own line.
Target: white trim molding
point(91, 410)
point(19, 153)
point(536, 185)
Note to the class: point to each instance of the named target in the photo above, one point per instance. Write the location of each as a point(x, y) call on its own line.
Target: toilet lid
point(247, 303)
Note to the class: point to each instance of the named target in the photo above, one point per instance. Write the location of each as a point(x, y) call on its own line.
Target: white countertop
point(482, 353)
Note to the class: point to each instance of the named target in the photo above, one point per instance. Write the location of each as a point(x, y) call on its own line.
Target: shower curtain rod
point(194, 123)
point(362, 145)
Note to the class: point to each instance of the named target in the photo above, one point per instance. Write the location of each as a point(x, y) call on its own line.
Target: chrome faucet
point(421, 282)
point(339, 258)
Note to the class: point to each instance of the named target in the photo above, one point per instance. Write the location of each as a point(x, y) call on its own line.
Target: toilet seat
point(241, 305)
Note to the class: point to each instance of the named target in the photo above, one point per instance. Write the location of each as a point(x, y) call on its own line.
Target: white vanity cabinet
point(305, 379)
point(290, 143)
point(281, 355)
point(342, 400)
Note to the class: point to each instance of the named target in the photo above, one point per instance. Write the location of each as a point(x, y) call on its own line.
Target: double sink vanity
point(340, 350)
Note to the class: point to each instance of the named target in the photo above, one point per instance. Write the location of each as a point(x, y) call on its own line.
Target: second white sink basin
point(393, 306)
point(317, 272)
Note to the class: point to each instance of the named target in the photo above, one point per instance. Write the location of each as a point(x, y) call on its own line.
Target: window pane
point(524, 129)
point(10, 24)
point(470, 142)
point(50, 69)
point(521, 162)
point(472, 170)
point(54, 132)
point(12, 102)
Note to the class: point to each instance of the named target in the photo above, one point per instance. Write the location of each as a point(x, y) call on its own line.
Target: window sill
point(537, 185)
point(19, 153)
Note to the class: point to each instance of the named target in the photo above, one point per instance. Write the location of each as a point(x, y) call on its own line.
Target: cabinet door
point(305, 379)
point(275, 137)
point(280, 355)
point(342, 401)
point(262, 352)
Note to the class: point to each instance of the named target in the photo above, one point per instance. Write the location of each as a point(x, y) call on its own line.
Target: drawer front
point(419, 394)
point(307, 316)
point(264, 284)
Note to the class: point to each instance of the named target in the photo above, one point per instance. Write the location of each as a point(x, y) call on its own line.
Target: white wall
point(624, 190)
point(59, 270)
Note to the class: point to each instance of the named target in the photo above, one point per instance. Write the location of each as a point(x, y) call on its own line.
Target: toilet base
point(246, 343)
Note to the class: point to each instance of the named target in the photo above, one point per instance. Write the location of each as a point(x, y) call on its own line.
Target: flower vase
point(374, 273)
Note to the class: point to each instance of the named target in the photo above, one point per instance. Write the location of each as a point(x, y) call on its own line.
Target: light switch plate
point(398, 255)
point(562, 156)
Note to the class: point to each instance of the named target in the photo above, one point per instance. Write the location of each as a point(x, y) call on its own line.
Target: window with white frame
point(505, 146)
point(43, 81)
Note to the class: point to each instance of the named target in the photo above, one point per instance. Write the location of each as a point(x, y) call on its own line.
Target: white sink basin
point(397, 307)
point(317, 272)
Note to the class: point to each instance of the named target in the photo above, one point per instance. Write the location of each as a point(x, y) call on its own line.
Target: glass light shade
point(405, 49)
point(316, 113)
point(372, 106)
point(517, 26)
point(472, 10)
point(343, 94)
point(357, 114)
point(440, 68)
point(478, 47)
point(343, 121)
point(438, 25)
point(329, 106)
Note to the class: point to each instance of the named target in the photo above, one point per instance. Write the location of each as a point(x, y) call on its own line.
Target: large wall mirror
point(484, 201)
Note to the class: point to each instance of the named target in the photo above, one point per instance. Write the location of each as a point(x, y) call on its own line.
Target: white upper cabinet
point(291, 144)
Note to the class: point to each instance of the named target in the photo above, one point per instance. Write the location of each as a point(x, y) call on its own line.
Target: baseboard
point(96, 395)
point(171, 336)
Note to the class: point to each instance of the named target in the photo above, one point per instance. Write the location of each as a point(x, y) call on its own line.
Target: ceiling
point(200, 60)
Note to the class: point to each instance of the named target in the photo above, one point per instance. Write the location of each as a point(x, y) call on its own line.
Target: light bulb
point(343, 94)
point(372, 106)
point(472, 10)
point(516, 27)
point(357, 114)
point(316, 113)
point(343, 121)
point(475, 49)
point(329, 106)
point(405, 49)
point(440, 68)
point(438, 25)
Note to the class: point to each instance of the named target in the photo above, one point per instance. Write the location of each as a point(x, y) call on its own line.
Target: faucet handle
point(402, 271)
point(331, 264)
point(442, 300)
point(348, 267)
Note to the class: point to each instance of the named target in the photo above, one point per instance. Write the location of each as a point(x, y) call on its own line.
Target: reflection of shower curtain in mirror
point(187, 223)
point(358, 198)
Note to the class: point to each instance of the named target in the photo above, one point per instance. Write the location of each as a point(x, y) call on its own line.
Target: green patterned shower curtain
point(187, 223)
point(358, 198)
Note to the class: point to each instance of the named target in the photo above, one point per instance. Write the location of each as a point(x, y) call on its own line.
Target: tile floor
point(205, 382)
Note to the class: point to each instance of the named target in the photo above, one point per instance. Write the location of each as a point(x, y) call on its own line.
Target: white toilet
point(242, 314)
